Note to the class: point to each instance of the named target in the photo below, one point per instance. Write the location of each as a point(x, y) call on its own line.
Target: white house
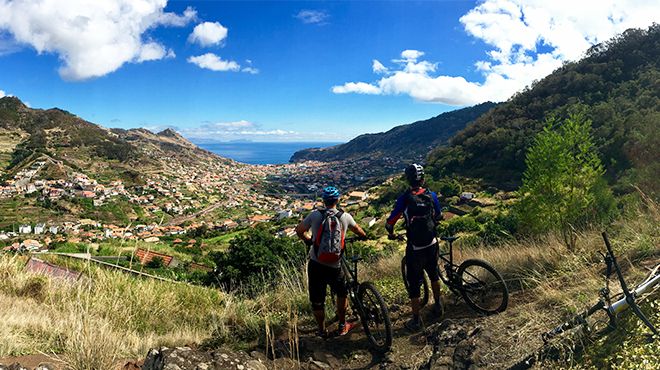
point(284, 214)
point(25, 229)
point(467, 195)
point(53, 229)
point(40, 228)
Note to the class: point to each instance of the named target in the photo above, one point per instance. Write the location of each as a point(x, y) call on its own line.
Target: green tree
point(562, 186)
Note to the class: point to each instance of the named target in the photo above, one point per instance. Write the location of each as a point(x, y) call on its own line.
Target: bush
point(254, 255)
point(156, 263)
point(449, 188)
point(459, 224)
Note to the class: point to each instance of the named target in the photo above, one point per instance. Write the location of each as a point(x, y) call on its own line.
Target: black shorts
point(320, 276)
point(418, 261)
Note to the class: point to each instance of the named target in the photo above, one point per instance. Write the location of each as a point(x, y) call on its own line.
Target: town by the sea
point(261, 153)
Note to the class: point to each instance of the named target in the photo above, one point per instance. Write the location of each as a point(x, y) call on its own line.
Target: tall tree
point(563, 187)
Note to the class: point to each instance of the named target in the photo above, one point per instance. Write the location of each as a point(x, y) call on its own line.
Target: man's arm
point(358, 231)
point(436, 205)
point(301, 231)
point(399, 207)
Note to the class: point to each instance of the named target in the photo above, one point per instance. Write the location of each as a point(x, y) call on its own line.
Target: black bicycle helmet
point(415, 174)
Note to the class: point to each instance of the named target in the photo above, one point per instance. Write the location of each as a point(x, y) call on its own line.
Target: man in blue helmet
point(421, 211)
point(328, 226)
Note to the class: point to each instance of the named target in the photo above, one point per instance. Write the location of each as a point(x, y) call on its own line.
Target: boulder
point(186, 358)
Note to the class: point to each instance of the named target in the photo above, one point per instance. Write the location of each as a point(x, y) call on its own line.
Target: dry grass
point(109, 315)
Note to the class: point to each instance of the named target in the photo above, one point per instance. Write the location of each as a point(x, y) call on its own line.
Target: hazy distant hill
point(28, 133)
point(405, 142)
point(617, 81)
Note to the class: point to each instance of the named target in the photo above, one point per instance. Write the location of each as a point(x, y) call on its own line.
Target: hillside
point(617, 84)
point(84, 145)
point(57, 167)
point(403, 143)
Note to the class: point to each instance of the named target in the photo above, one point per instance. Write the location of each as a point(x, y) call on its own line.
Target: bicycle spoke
point(482, 288)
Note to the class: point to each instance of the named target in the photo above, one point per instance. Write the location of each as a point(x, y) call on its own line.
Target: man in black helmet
point(421, 211)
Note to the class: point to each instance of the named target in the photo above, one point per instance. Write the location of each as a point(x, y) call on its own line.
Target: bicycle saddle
point(449, 238)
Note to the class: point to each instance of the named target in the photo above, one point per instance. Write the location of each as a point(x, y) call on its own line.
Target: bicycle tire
point(424, 296)
point(376, 315)
point(489, 281)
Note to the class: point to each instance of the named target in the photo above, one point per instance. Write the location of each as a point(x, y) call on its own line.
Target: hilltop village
point(170, 203)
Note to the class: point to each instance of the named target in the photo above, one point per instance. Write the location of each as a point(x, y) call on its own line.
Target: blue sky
point(288, 71)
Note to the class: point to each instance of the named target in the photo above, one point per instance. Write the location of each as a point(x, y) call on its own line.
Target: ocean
point(260, 153)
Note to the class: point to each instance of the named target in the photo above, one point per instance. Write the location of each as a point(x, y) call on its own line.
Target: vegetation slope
point(618, 84)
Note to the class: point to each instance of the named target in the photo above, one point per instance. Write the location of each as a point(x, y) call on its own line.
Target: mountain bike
point(367, 303)
point(480, 285)
point(612, 306)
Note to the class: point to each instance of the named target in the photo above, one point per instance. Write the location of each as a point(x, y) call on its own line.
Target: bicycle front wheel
point(482, 287)
point(375, 318)
point(424, 295)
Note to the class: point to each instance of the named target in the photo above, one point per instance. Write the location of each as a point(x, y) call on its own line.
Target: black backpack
point(420, 218)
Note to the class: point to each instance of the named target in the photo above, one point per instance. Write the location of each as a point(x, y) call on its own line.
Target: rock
point(255, 365)
point(46, 366)
point(186, 358)
point(318, 365)
point(260, 356)
point(14, 366)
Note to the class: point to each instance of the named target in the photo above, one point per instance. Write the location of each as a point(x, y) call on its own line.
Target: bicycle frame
point(614, 309)
point(352, 284)
point(450, 280)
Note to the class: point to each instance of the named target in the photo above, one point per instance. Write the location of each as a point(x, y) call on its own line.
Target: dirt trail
point(461, 339)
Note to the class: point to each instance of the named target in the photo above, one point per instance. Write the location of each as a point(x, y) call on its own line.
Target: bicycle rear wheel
point(482, 287)
point(376, 319)
point(424, 296)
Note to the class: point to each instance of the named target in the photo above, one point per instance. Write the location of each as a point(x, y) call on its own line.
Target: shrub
point(156, 262)
point(254, 255)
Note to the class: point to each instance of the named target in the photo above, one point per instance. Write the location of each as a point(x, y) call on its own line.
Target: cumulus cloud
point(515, 30)
point(208, 34)
point(216, 63)
point(312, 16)
point(2, 94)
point(92, 38)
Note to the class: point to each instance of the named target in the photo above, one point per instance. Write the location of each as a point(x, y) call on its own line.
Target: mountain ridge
point(406, 142)
point(616, 84)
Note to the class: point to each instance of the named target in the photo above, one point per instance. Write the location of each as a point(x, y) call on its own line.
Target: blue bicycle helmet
point(330, 192)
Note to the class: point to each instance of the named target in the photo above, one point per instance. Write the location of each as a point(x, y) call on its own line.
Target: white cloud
point(250, 70)
point(378, 67)
point(232, 130)
point(312, 16)
point(92, 38)
point(515, 30)
point(356, 87)
point(175, 20)
point(208, 34)
point(216, 63)
point(411, 54)
point(2, 94)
